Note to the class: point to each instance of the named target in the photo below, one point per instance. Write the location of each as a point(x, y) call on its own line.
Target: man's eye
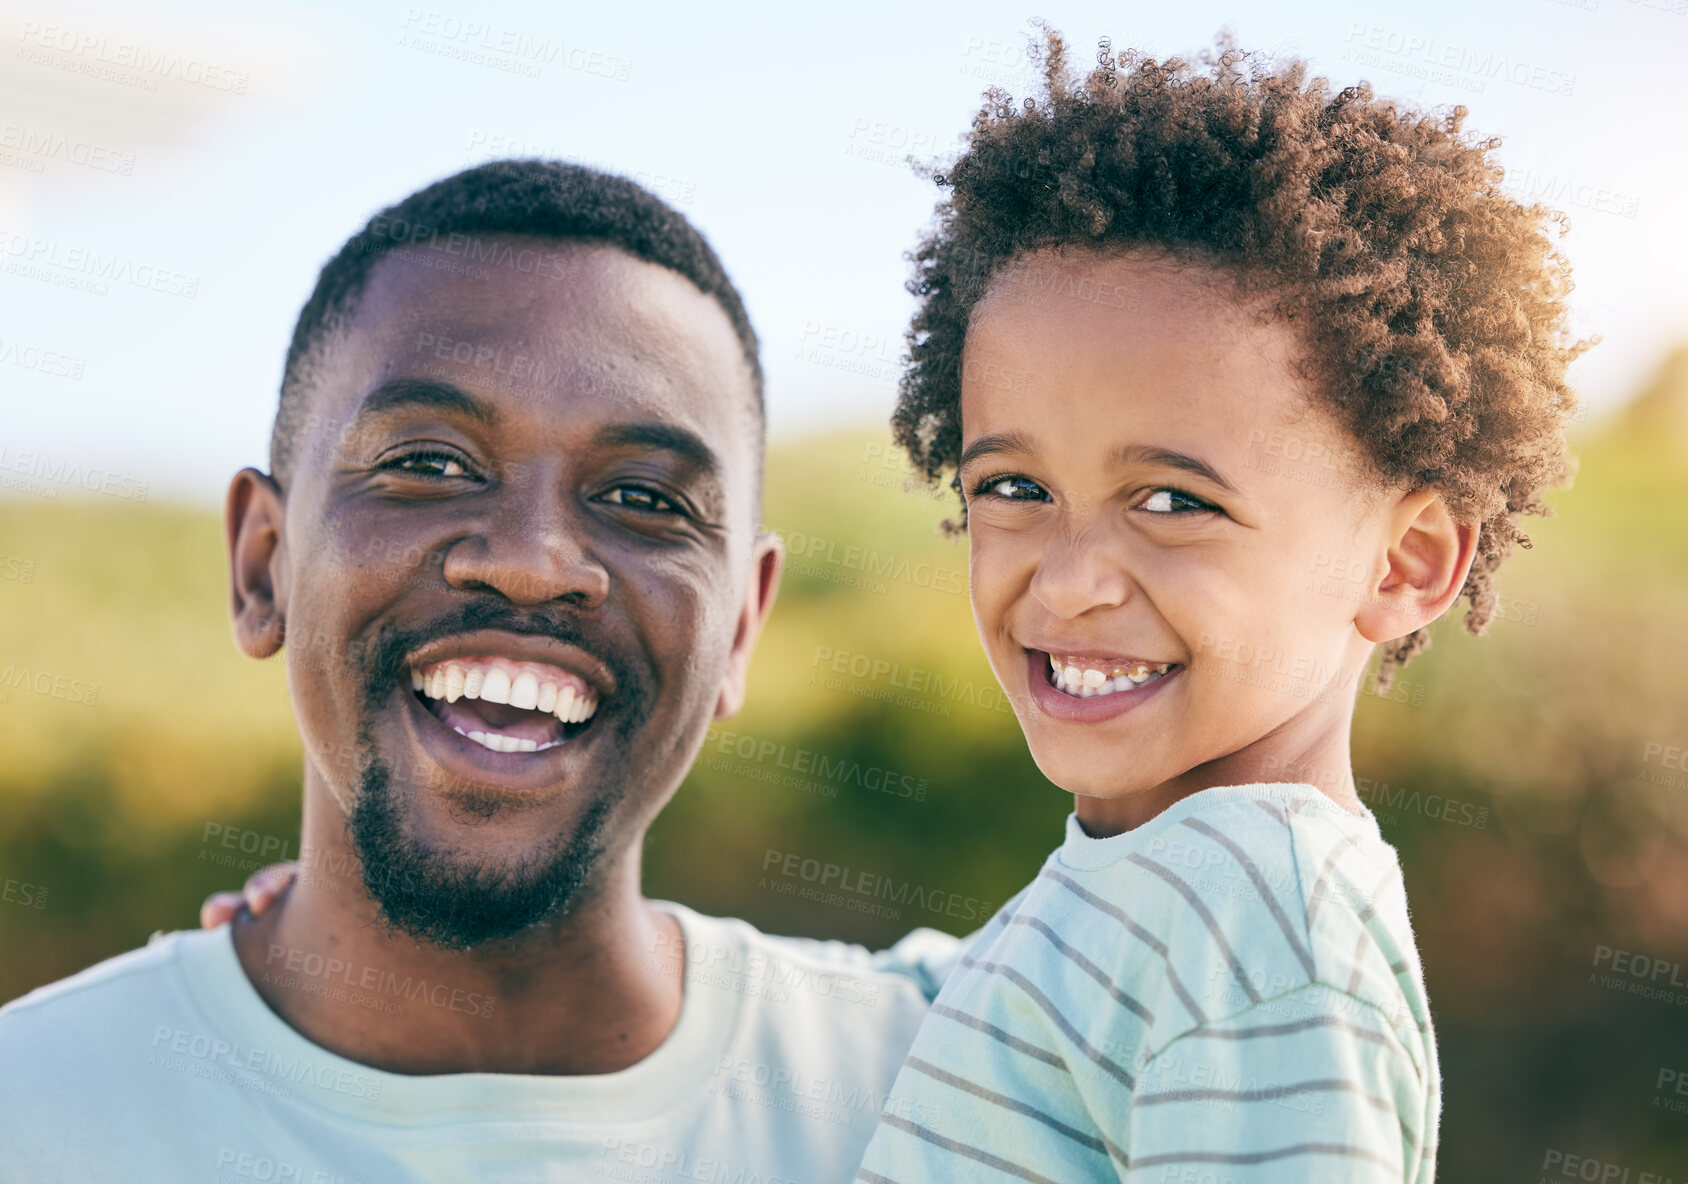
point(1176, 501)
point(1010, 488)
point(639, 497)
point(428, 464)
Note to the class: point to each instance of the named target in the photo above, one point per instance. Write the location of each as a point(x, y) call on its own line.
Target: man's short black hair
point(544, 199)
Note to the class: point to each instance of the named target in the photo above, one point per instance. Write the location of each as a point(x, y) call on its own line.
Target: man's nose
point(532, 547)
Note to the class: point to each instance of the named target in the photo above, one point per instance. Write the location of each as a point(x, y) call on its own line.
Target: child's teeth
point(1084, 682)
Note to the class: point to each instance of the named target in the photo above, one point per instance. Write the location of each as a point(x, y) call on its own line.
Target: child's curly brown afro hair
point(1432, 304)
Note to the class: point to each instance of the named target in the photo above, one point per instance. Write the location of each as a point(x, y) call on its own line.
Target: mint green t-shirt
point(1227, 994)
point(164, 1064)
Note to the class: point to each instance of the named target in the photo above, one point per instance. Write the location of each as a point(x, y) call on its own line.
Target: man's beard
point(439, 895)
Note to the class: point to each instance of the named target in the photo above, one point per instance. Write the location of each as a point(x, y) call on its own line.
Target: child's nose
point(1079, 572)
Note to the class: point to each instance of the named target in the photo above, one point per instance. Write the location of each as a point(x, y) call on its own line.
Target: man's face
point(1134, 512)
point(529, 491)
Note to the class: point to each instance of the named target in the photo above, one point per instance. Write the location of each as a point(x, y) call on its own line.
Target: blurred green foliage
point(1548, 733)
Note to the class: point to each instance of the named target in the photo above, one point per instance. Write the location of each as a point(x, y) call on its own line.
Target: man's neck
point(593, 992)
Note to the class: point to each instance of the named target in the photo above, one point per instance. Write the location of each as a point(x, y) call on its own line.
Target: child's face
point(1147, 485)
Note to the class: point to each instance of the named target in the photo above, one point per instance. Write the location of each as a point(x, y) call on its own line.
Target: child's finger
point(264, 885)
point(219, 909)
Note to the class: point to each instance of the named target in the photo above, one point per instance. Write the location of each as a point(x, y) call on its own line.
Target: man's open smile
point(514, 694)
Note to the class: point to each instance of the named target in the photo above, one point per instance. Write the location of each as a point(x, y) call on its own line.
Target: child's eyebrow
point(990, 445)
point(1147, 454)
point(1124, 454)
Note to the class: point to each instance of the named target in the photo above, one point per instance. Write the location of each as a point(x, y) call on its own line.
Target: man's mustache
point(382, 659)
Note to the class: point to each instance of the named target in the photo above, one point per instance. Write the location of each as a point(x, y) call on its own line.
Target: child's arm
point(1293, 1089)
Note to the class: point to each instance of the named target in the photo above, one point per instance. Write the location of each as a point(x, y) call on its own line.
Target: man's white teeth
point(452, 681)
point(1082, 681)
point(495, 688)
point(524, 692)
point(499, 742)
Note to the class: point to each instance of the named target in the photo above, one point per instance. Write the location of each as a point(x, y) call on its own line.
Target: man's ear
point(252, 522)
point(1428, 557)
point(767, 560)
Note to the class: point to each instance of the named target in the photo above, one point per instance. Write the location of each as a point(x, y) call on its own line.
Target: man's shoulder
point(118, 992)
point(908, 972)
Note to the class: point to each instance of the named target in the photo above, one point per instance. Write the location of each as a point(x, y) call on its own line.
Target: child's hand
point(262, 887)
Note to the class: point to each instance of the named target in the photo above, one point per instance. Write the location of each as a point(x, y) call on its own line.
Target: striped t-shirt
point(1228, 992)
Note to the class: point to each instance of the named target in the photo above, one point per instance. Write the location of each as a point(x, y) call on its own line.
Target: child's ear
point(767, 560)
point(1428, 555)
point(252, 523)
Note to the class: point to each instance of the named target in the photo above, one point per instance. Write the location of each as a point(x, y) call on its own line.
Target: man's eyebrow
point(1148, 454)
point(664, 437)
point(990, 445)
point(425, 393)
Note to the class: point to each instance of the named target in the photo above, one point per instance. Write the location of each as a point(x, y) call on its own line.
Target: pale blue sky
point(779, 129)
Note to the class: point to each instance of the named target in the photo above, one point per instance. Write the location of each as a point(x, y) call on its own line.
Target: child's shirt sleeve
point(1313, 1086)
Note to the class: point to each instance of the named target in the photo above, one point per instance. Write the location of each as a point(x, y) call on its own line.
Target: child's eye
point(1010, 487)
point(1176, 501)
point(432, 464)
point(640, 497)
